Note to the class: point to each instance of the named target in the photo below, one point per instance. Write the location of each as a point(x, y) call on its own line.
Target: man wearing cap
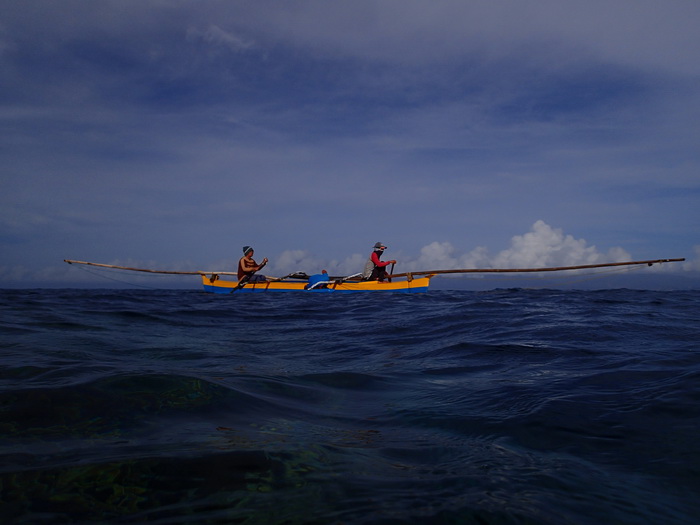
point(375, 269)
point(247, 267)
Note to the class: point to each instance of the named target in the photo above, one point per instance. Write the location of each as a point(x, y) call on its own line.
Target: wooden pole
point(170, 272)
point(428, 272)
point(534, 270)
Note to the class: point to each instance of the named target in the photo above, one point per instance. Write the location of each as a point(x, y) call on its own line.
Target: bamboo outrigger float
point(411, 282)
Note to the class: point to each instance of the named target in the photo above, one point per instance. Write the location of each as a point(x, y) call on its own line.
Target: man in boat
point(375, 268)
point(247, 267)
point(317, 281)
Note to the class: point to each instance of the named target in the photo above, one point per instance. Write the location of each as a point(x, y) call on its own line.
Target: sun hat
point(379, 246)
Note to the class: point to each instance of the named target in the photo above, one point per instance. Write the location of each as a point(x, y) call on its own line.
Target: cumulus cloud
point(543, 246)
point(293, 260)
point(436, 256)
point(546, 246)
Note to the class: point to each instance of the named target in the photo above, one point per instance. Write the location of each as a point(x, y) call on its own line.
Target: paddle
point(391, 272)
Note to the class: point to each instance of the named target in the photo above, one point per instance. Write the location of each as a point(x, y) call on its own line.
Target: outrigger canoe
point(411, 282)
point(213, 284)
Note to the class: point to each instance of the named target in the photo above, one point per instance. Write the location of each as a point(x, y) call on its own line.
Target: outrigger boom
point(169, 272)
point(533, 270)
point(399, 282)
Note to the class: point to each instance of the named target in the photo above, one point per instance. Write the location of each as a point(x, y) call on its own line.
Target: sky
point(169, 134)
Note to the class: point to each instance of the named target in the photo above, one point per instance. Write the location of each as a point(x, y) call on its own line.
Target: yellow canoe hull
point(213, 284)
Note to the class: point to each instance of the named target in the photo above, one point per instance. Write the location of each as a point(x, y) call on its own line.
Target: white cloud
point(546, 246)
point(693, 265)
point(436, 256)
point(292, 261)
point(543, 246)
point(217, 36)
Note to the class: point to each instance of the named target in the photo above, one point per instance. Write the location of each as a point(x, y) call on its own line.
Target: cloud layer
point(173, 131)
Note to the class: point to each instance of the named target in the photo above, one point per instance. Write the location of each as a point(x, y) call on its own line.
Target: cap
point(379, 246)
point(247, 249)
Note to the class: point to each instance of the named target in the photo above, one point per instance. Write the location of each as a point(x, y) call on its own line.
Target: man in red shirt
point(375, 268)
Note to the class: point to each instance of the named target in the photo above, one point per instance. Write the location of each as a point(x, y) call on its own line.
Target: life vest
point(369, 267)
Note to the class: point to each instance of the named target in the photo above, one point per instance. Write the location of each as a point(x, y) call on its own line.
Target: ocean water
point(497, 407)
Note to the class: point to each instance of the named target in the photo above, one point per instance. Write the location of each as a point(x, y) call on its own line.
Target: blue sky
point(169, 134)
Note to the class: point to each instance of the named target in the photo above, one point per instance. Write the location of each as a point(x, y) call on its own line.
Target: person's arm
point(381, 264)
point(252, 266)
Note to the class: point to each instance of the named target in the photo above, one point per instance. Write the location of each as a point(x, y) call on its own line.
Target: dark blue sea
point(510, 406)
